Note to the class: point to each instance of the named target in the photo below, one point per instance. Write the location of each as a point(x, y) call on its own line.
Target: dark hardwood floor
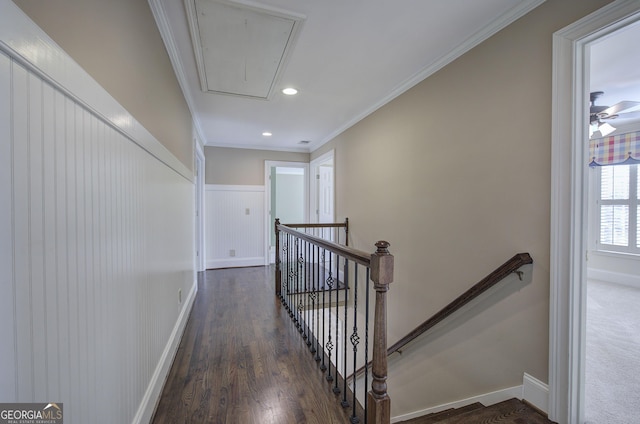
point(241, 360)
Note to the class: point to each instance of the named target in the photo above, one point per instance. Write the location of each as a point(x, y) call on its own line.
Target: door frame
point(569, 209)
point(199, 165)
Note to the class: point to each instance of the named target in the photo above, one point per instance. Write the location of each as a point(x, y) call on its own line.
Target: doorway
point(322, 190)
point(287, 197)
point(612, 344)
point(569, 205)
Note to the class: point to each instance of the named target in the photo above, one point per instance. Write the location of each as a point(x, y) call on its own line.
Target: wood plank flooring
point(241, 360)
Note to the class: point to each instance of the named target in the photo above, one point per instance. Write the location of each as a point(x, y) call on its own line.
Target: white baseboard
point(535, 392)
point(154, 389)
point(532, 390)
point(615, 277)
point(234, 262)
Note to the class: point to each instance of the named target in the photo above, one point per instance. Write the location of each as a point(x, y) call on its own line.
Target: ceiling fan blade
point(622, 116)
point(618, 108)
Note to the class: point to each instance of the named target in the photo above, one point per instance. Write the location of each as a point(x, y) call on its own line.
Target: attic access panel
point(240, 50)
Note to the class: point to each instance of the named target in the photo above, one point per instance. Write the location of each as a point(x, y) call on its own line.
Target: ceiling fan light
point(606, 129)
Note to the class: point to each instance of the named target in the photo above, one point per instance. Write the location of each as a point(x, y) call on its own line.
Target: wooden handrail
point(509, 267)
point(352, 254)
point(344, 225)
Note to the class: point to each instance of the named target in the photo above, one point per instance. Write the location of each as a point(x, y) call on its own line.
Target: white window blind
point(618, 209)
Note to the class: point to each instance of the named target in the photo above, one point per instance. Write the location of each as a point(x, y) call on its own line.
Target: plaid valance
point(614, 150)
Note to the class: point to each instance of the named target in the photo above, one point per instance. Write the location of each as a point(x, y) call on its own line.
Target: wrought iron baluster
point(323, 367)
point(345, 402)
point(292, 276)
point(318, 280)
point(355, 339)
point(301, 291)
point(336, 389)
point(313, 295)
point(366, 346)
point(286, 287)
point(329, 344)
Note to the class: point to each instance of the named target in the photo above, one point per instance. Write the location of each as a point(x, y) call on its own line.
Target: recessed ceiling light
point(267, 134)
point(290, 91)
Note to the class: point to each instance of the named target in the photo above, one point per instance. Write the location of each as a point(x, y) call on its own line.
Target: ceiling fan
point(599, 115)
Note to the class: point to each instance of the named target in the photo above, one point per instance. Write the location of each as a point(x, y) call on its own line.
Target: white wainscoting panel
point(234, 225)
point(96, 242)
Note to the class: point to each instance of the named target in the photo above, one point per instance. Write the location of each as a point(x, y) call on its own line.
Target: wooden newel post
point(278, 271)
point(379, 404)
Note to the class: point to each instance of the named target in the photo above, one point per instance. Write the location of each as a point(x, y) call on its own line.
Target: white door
point(322, 189)
point(325, 194)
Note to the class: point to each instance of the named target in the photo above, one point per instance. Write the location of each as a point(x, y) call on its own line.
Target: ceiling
point(346, 58)
point(615, 70)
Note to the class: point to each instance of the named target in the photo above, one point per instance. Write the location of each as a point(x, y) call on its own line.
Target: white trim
point(535, 392)
point(162, 22)
point(151, 397)
point(200, 222)
point(25, 42)
point(496, 25)
point(569, 191)
point(292, 149)
point(235, 263)
point(223, 187)
point(615, 277)
point(486, 399)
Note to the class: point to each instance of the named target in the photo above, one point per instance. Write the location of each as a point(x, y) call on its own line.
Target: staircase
point(512, 411)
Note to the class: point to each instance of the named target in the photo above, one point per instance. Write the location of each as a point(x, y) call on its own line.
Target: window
point(618, 209)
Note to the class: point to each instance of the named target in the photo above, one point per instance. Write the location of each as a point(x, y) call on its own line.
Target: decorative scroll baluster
point(355, 340)
point(299, 287)
point(345, 402)
point(336, 389)
point(323, 367)
point(329, 344)
point(292, 275)
point(308, 292)
point(318, 343)
point(366, 341)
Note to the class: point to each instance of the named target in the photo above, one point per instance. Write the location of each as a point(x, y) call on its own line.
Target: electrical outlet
point(232, 252)
point(179, 295)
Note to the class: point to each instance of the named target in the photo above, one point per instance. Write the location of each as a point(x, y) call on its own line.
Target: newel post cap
point(382, 264)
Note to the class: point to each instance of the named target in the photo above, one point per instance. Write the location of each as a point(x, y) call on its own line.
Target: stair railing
point(325, 287)
point(511, 266)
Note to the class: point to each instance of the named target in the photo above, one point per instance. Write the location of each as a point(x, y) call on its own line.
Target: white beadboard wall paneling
point(8, 375)
point(96, 242)
point(229, 227)
point(32, 47)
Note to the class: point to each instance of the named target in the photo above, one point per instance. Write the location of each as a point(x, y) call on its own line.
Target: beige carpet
point(612, 390)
